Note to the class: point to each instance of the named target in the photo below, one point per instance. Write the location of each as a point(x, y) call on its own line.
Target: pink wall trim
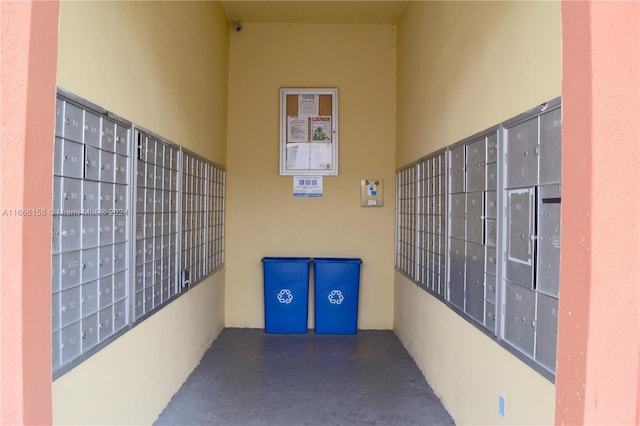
point(29, 55)
point(599, 332)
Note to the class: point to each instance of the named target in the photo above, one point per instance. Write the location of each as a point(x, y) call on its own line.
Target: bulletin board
point(309, 132)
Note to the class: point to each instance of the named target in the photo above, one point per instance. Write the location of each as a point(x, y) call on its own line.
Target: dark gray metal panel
point(522, 154)
point(548, 259)
point(458, 216)
point(547, 331)
point(491, 204)
point(474, 282)
point(491, 230)
point(476, 164)
point(490, 316)
point(457, 273)
point(491, 261)
point(519, 322)
point(520, 226)
point(550, 147)
point(492, 148)
point(475, 209)
point(492, 177)
point(456, 165)
point(490, 284)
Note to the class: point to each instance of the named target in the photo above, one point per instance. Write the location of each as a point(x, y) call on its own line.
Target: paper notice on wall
point(308, 105)
point(297, 129)
point(321, 129)
point(307, 186)
point(298, 156)
point(320, 156)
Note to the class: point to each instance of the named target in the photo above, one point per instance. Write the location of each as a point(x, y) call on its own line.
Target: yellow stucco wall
point(162, 65)
point(263, 217)
point(463, 67)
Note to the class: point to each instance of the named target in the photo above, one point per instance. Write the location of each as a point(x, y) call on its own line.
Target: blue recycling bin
point(286, 294)
point(337, 284)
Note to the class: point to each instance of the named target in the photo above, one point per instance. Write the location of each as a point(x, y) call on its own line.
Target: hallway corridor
point(248, 377)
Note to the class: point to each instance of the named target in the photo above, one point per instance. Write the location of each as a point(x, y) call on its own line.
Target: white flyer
point(297, 129)
point(320, 156)
point(308, 105)
point(298, 156)
point(321, 129)
point(307, 186)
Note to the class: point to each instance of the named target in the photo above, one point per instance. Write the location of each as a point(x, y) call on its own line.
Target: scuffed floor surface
point(248, 377)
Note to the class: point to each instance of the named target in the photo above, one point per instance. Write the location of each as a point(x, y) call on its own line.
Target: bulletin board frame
point(308, 132)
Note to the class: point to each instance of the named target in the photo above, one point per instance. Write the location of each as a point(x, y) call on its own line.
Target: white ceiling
point(315, 12)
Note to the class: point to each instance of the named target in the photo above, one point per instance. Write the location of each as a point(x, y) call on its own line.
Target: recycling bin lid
point(337, 259)
point(286, 259)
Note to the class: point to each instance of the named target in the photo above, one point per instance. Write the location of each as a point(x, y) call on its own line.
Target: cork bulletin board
point(309, 132)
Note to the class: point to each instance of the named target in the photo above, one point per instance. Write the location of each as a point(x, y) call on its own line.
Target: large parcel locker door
point(548, 247)
point(520, 242)
point(474, 279)
point(519, 321)
point(456, 272)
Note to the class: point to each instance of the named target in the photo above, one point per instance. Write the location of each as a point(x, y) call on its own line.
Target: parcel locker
point(492, 148)
point(70, 272)
point(490, 316)
point(490, 290)
point(139, 278)
point(491, 232)
point(139, 304)
point(119, 198)
point(119, 257)
point(107, 166)
point(150, 152)
point(92, 163)
point(148, 299)
point(105, 291)
point(492, 177)
point(520, 241)
point(106, 197)
point(73, 122)
point(90, 197)
point(119, 315)
point(457, 170)
point(548, 259)
point(550, 147)
point(458, 216)
point(122, 140)
point(121, 169)
point(456, 272)
point(547, 331)
point(476, 166)
point(120, 228)
point(141, 174)
point(71, 195)
point(519, 322)
point(106, 230)
point(70, 232)
point(522, 154)
point(474, 215)
point(150, 178)
point(108, 135)
point(89, 332)
point(474, 282)
point(91, 129)
point(491, 204)
point(105, 262)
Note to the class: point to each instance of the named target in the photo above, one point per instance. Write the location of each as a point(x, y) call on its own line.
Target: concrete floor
point(248, 377)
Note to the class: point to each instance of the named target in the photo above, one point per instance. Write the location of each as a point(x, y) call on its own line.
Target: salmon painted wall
point(263, 218)
point(28, 32)
point(463, 67)
point(162, 65)
point(598, 379)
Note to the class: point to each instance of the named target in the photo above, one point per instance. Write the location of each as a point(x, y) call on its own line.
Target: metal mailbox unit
point(499, 242)
point(90, 228)
point(156, 250)
point(472, 227)
point(532, 207)
point(421, 217)
point(118, 226)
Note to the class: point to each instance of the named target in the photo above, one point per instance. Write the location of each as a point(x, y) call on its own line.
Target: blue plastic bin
point(337, 283)
point(286, 294)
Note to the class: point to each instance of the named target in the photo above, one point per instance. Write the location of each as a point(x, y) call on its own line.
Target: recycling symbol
point(285, 296)
point(336, 297)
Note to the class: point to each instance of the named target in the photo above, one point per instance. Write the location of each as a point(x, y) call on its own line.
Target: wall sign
point(309, 132)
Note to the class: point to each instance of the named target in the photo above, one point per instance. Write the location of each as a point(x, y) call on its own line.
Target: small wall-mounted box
point(371, 193)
